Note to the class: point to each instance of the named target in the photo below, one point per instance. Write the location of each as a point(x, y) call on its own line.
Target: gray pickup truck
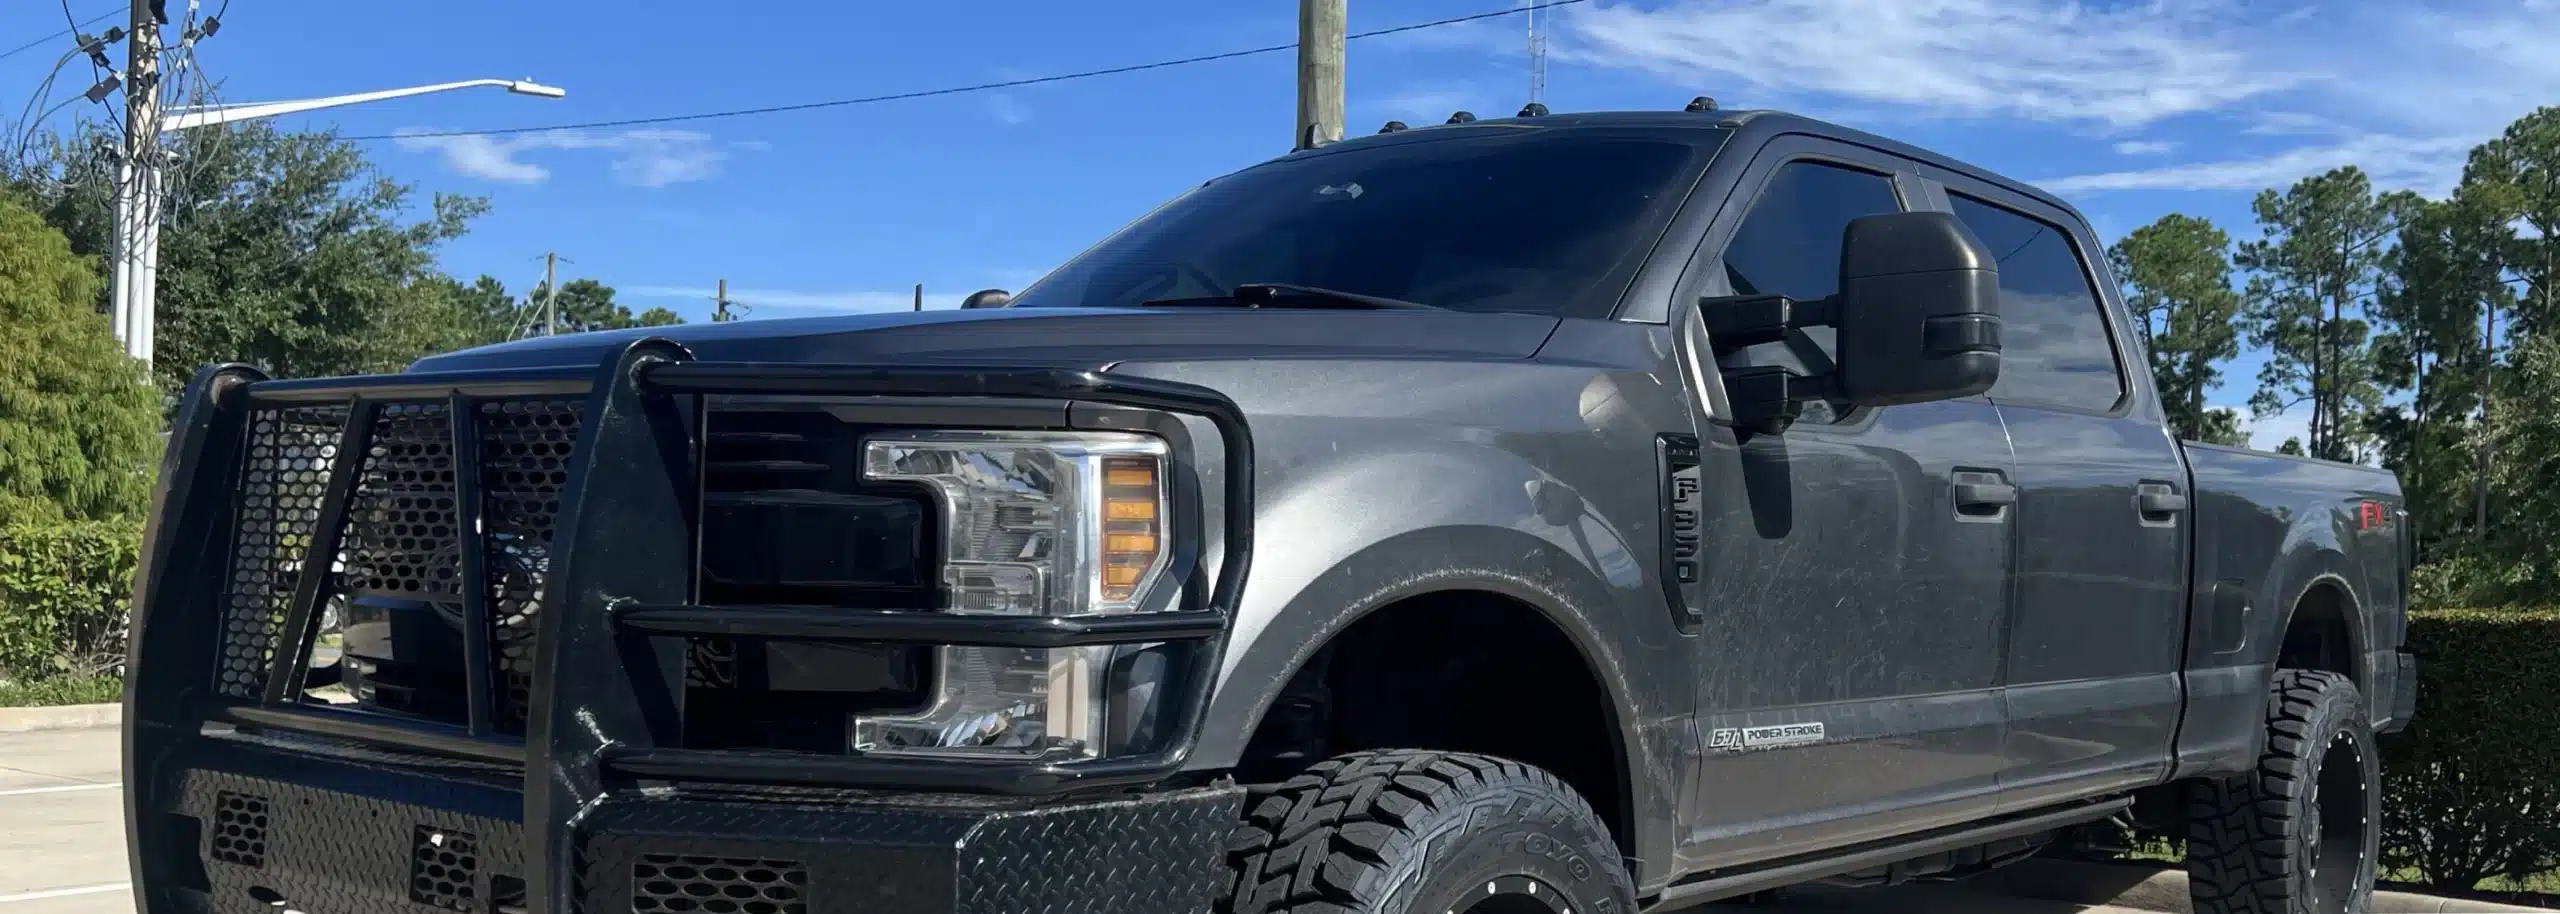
point(1571, 513)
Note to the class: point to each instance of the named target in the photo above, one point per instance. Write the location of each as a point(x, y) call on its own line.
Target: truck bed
point(2276, 535)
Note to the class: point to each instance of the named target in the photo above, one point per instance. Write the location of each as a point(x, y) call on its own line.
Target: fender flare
point(1531, 571)
point(2325, 568)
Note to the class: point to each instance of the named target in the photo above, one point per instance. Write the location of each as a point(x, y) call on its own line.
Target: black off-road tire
point(1418, 832)
point(2298, 835)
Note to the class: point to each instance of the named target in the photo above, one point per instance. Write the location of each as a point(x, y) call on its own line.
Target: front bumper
point(574, 789)
point(279, 829)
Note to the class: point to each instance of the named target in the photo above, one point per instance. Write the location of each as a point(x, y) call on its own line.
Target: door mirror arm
point(1766, 399)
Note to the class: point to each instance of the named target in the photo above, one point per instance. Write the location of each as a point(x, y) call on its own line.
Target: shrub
point(93, 690)
point(2472, 789)
point(77, 420)
point(64, 590)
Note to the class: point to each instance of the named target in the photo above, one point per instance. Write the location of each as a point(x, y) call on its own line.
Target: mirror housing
point(987, 298)
point(1917, 318)
point(1918, 315)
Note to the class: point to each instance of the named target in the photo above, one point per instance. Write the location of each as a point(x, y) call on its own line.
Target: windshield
point(1542, 221)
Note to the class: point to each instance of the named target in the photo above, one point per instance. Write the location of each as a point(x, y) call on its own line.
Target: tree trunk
point(2482, 460)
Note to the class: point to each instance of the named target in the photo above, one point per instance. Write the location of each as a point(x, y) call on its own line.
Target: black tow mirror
point(1918, 315)
point(1917, 318)
point(987, 298)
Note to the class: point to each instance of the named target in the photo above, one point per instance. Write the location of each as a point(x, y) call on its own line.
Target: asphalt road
point(62, 842)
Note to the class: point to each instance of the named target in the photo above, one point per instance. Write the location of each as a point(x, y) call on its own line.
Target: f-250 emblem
point(1683, 567)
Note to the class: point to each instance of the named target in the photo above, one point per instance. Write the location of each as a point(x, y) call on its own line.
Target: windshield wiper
point(1285, 295)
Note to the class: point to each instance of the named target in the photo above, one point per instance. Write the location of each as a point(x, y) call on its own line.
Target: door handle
point(1983, 495)
point(2159, 501)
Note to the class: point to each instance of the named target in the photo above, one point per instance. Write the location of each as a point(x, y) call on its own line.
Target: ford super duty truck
point(1575, 513)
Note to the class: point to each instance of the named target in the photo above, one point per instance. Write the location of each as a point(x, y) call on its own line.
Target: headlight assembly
point(1033, 523)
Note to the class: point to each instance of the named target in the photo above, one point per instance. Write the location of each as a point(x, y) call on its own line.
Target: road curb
point(2152, 889)
point(60, 717)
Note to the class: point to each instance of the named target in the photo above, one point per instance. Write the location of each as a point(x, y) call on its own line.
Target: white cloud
point(1007, 109)
point(2043, 60)
point(644, 157)
point(853, 300)
point(2402, 89)
point(2427, 165)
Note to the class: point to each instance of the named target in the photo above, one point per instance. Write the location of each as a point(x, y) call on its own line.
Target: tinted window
point(1790, 245)
point(1547, 222)
point(2053, 340)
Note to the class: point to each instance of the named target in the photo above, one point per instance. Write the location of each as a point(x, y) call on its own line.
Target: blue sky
point(2131, 110)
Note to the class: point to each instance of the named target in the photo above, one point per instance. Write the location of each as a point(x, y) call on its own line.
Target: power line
point(959, 90)
point(101, 17)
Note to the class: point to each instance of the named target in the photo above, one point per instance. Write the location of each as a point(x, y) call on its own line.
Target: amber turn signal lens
point(1132, 496)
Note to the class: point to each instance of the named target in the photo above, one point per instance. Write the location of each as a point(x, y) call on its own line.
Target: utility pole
point(1320, 29)
point(1538, 55)
point(919, 296)
point(138, 183)
point(550, 293)
point(720, 305)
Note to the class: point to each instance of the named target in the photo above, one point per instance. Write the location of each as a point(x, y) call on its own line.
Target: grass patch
point(49, 692)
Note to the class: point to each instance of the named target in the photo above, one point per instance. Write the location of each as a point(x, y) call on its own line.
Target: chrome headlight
point(1033, 523)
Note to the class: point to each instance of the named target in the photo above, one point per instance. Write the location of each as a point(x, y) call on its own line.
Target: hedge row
point(63, 594)
point(2471, 789)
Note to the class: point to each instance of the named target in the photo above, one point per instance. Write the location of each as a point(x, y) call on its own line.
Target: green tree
point(2525, 542)
point(2514, 179)
point(2177, 281)
point(481, 313)
point(2517, 176)
point(77, 424)
point(585, 304)
point(285, 250)
point(2440, 278)
point(2221, 425)
point(2318, 261)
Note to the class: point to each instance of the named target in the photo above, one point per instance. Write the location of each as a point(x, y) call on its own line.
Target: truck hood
point(1064, 337)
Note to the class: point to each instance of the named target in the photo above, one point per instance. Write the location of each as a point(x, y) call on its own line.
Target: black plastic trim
point(507, 382)
point(192, 505)
point(462, 413)
point(1714, 886)
point(1006, 777)
point(422, 736)
point(310, 588)
point(917, 626)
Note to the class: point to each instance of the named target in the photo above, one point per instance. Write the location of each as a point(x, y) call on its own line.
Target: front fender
point(1372, 531)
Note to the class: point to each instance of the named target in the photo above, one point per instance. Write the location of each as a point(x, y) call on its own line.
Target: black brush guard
point(252, 800)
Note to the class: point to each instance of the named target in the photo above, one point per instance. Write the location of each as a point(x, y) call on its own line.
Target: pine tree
point(585, 304)
point(2177, 282)
point(2439, 279)
point(2316, 264)
point(78, 423)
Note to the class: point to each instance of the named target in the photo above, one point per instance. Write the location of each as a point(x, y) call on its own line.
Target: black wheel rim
point(1511, 895)
point(2336, 845)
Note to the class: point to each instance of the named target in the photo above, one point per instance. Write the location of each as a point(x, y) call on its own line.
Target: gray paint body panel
point(1961, 667)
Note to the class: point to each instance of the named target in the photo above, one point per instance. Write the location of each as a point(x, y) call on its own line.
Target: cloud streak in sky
point(641, 158)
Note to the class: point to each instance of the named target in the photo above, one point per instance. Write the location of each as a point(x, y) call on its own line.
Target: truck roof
point(1760, 120)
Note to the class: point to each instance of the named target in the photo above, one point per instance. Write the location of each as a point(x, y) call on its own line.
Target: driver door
point(1849, 608)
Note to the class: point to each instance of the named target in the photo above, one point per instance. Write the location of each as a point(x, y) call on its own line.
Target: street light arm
point(184, 118)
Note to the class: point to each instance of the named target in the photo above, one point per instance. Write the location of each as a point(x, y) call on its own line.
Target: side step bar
point(1869, 856)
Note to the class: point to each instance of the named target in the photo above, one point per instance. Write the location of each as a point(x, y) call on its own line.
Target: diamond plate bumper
point(245, 797)
point(276, 829)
